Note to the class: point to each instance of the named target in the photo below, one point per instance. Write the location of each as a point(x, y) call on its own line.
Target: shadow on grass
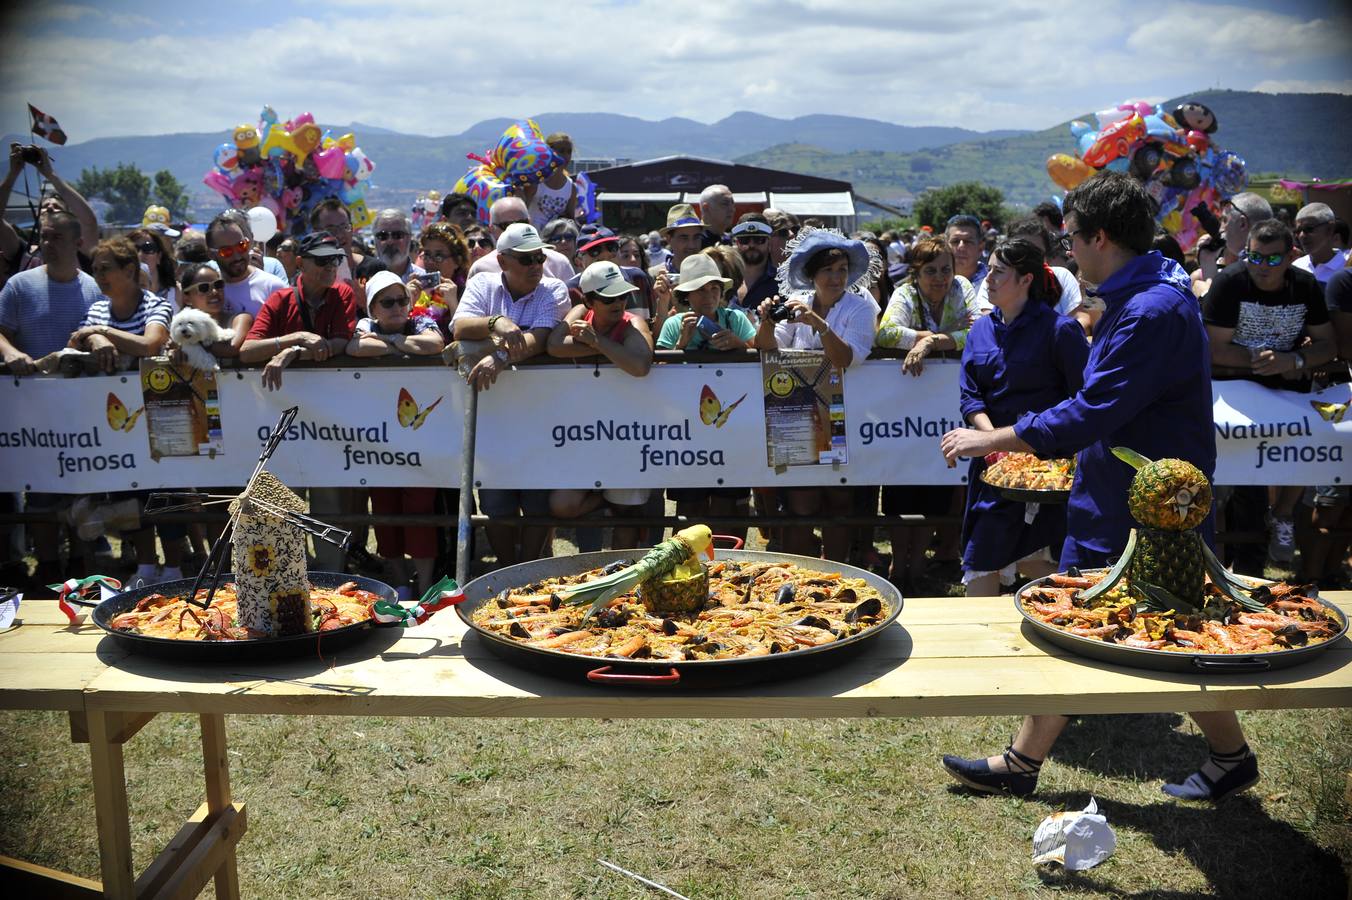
point(1139, 746)
point(1238, 848)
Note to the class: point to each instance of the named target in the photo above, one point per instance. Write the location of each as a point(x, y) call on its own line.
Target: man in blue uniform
point(1147, 386)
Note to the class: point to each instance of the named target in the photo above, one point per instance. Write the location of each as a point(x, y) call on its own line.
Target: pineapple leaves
point(1116, 573)
point(1131, 457)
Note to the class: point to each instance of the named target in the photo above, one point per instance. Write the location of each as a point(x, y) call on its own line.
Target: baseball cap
point(697, 271)
point(680, 216)
point(604, 278)
point(521, 236)
point(591, 236)
point(320, 244)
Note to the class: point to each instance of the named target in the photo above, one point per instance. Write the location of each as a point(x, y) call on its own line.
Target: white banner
point(82, 435)
point(576, 426)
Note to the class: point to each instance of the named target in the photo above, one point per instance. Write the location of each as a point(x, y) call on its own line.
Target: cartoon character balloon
point(285, 168)
point(520, 159)
point(1173, 155)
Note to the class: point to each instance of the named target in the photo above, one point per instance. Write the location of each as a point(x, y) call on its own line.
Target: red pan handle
point(604, 675)
point(737, 542)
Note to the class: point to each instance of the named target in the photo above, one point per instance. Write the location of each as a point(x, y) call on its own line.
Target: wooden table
point(944, 657)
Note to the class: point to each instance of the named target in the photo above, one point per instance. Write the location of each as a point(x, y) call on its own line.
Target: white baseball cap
point(522, 236)
point(604, 278)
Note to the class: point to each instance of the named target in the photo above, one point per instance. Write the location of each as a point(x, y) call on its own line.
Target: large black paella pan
point(698, 673)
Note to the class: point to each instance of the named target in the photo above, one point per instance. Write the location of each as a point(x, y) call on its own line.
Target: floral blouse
point(907, 313)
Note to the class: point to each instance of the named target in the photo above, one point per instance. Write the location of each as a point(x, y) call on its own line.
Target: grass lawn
point(375, 807)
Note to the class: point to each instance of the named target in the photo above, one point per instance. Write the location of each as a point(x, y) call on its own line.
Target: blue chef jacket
point(1147, 386)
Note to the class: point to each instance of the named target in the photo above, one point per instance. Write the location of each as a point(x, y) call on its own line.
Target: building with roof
point(636, 197)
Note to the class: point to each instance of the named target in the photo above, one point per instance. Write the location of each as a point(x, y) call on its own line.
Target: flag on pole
point(45, 126)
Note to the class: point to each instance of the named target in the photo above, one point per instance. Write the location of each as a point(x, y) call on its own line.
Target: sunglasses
point(148, 247)
point(232, 252)
point(326, 262)
point(595, 251)
point(437, 256)
point(609, 301)
point(1271, 260)
point(391, 235)
point(484, 242)
point(786, 233)
point(205, 287)
point(392, 302)
point(529, 259)
point(755, 239)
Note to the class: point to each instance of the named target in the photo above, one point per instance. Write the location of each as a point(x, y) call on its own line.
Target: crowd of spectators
point(1276, 301)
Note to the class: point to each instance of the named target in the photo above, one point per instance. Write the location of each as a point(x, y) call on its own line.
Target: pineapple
point(1166, 562)
point(682, 592)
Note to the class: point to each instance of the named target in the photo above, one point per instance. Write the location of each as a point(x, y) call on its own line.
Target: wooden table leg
point(217, 765)
point(110, 807)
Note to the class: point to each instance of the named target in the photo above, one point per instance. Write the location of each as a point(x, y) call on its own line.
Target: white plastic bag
point(1076, 840)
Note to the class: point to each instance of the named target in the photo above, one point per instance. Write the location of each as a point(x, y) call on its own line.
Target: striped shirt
point(40, 314)
point(152, 310)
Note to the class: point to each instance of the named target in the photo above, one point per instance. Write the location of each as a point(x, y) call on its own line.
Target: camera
point(31, 155)
point(430, 280)
point(781, 312)
point(707, 326)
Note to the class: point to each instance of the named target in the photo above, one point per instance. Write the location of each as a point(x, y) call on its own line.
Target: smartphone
point(429, 280)
point(707, 326)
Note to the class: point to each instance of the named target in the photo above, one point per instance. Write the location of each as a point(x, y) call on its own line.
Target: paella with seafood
point(725, 610)
point(1026, 472)
point(173, 618)
point(1290, 616)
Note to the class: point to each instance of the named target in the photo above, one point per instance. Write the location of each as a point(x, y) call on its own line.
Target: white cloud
point(420, 67)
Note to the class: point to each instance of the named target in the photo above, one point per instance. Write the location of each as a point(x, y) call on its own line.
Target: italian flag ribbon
point(81, 587)
point(439, 596)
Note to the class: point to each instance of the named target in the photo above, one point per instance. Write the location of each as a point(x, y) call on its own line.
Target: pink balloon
point(221, 184)
point(331, 163)
point(302, 119)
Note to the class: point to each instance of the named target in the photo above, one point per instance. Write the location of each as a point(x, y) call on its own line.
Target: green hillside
point(1293, 134)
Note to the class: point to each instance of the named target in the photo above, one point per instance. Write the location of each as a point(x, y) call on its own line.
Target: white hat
point(521, 236)
point(379, 282)
point(697, 271)
point(604, 278)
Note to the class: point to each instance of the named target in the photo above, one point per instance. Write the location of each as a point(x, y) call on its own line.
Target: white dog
point(193, 331)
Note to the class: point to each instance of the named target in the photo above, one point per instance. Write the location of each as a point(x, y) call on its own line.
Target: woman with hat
point(930, 312)
point(701, 288)
point(388, 328)
point(826, 278)
point(600, 326)
point(1024, 357)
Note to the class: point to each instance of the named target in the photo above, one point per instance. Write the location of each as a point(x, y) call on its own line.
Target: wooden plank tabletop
point(944, 656)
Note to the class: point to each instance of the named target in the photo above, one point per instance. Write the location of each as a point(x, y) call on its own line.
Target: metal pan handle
point(737, 543)
point(77, 600)
point(1231, 665)
point(604, 675)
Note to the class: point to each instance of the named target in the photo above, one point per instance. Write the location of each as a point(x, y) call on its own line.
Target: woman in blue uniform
point(1022, 358)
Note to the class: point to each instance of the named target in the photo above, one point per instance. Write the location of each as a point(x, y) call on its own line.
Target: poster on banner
point(183, 409)
point(804, 409)
point(1270, 437)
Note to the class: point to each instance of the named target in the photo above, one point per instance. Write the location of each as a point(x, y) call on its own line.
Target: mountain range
point(1284, 133)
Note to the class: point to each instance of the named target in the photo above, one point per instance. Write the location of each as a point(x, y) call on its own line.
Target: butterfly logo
point(1330, 412)
point(118, 417)
point(711, 412)
point(409, 414)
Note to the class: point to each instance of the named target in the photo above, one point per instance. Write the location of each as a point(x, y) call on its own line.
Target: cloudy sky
point(437, 66)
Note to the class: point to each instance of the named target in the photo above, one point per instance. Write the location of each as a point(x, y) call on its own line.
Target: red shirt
point(281, 314)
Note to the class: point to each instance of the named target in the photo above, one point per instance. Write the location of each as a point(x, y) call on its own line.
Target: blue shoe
point(977, 775)
point(1198, 787)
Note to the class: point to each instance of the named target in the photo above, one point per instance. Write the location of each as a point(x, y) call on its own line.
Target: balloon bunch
point(1171, 154)
point(288, 168)
point(520, 159)
point(426, 209)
